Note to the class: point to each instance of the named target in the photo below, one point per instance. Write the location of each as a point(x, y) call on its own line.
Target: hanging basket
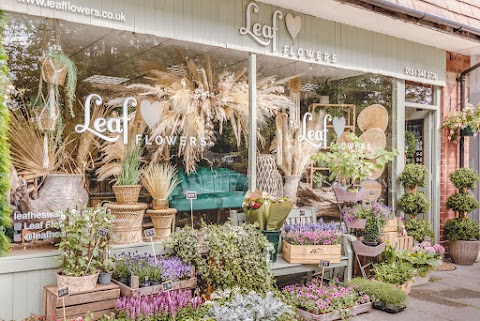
point(46, 122)
point(127, 194)
point(54, 72)
point(467, 131)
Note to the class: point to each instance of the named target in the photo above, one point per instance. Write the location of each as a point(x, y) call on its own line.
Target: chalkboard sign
point(61, 292)
point(167, 286)
point(191, 195)
point(149, 233)
point(324, 263)
point(102, 232)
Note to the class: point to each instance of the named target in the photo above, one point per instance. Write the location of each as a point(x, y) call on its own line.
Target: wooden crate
point(391, 226)
point(99, 301)
point(389, 237)
point(311, 254)
point(404, 243)
point(127, 291)
point(307, 316)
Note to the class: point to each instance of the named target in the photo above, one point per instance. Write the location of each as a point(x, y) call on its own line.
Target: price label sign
point(61, 292)
point(302, 212)
point(324, 263)
point(102, 232)
point(149, 233)
point(167, 286)
point(191, 195)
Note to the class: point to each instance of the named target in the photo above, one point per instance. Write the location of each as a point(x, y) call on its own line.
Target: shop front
point(199, 85)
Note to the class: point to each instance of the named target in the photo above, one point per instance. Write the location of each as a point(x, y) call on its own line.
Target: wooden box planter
point(99, 301)
point(366, 250)
point(307, 316)
point(311, 254)
point(127, 291)
point(359, 223)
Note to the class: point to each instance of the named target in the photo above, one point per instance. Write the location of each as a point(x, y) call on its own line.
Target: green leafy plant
point(81, 247)
point(464, 179)
point(318, 179)
point(325, 88)
point(352, 163)
point(462, 203)
point(411, 141)
point(414, 175)
point(413, 204)
point(130, 170)
point(462, 228)
point(419, 229)
point(107, 265)
point(381, 292)
point(397, 272)
point(373, 229)
point(122, 269)
point(5, 160)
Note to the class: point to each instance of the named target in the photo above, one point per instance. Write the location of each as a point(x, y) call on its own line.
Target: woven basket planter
point(307, 316)
point(162, 222)
point(53, 72)
point(464, 252)
point(77, 283)
point(127, 227)
point(362, 249)
point(160, 204)
point(127, 194)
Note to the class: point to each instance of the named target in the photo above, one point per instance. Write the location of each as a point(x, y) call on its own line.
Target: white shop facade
point(106, 38)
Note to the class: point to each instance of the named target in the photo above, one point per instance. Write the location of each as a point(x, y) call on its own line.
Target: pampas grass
point(160, 180)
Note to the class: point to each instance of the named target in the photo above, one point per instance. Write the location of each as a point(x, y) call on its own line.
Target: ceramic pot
point(464, 252)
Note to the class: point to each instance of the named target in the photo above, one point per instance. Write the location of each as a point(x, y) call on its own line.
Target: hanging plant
point(467, 120)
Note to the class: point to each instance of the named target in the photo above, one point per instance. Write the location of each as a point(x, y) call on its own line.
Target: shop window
point(418, 93)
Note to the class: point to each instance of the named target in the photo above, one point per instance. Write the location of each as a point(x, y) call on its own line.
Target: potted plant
point(462, 122)
point(424, 257)
point(397, 272)
point(419, 230)
point(413, 176)
point(107, 267)
point(127, 189)
point(122, 271)
point(324, 89)
point(355, 216)
point(81, 247)
point(351, 164)
point(413, 204)
point(318, 180)
point(384, 296)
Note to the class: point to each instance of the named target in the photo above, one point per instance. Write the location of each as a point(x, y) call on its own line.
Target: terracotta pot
point(77, 283)
point(291, 186)
point(127, 194)
point(464, 252)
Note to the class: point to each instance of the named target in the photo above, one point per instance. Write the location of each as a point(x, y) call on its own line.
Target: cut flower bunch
point(268, 211)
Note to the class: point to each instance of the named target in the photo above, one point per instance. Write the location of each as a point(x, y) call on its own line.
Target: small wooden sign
point(167, 286)
point(302, 212)
point(149, 233)
point(324, 263)
point(191, 195)
point(102, 232)
point(61, 292)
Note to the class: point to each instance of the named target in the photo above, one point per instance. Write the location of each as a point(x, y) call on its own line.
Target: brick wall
point(450, 100)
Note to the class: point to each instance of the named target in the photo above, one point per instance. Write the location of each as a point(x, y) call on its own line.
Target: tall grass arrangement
point(130, 170)
point(160, 180)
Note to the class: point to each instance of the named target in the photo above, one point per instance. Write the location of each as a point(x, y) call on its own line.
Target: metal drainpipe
point(461, 79)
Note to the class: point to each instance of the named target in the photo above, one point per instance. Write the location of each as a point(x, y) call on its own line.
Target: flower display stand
point(307, 316)
point(99, 301)
point(311, 254)
point(127, 291)
point(127, 227)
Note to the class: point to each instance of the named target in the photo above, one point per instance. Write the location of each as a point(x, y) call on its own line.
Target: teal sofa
point(216, 188)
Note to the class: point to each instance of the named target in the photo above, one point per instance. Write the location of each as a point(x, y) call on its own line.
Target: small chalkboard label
point(324, 263)
point(302, 212)
point(61, 292)
point(102, 232)
point(167, 286)
point(191, 195)
point(149, 233)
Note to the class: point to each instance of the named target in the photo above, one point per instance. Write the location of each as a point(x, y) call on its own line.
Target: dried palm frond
point(293, 154)
point(160, 180)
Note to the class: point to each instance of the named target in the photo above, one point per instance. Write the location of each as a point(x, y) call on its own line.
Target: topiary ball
point(462, 203)
point(464, 179)
point(413, 175)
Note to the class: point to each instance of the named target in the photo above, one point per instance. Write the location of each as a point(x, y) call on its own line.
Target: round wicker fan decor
point(374, 140)
point(374, 116)
point(373, 190)
point(376, 174)
point(344, 137)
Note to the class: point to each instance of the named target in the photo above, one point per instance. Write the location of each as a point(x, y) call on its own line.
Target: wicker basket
point(373, 190)
point(376, 174)
point(374, 116)
point(160, 204)
point(127, 227)
point(127, 194)
point(54, 72)
point(77, 283)
point(163, 222)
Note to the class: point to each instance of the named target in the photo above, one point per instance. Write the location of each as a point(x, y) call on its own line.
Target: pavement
point(450, 295)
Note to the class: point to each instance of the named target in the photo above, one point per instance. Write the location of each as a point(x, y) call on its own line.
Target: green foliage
point(411, 141)
point(236, 255)
point(462, 203)
point(464, 179)
point(464, 229)
point(373, 229)
point(396, 272)
point(413, 203)
point(325, 88)
point(419, 229)
point(352, 165)
point(107, 265)
point(381, 292)
point(318, 178)
point(122, 269)
point(130, 170)
point(81, 247)
point(5, 160)
point(414, 175)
